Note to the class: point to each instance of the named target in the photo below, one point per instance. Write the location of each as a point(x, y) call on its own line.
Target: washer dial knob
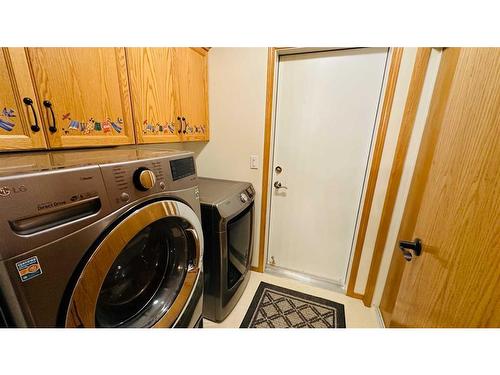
point(243, 197)
point(144, 179)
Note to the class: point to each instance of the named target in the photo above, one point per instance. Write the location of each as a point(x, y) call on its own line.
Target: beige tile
point(357, 315)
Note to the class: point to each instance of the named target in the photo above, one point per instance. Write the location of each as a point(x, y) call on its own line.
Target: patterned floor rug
point(277, 307)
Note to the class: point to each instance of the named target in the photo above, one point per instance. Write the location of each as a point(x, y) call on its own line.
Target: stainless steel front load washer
point(100, 238)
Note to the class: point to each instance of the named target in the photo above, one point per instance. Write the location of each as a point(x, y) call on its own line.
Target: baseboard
point(380, 320)
point(305, 278)
point(354, 294)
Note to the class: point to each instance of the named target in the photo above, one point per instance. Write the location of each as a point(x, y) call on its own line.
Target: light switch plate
point(254, 162)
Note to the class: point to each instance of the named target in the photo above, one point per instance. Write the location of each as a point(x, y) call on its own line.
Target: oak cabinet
point(151, 77)
point(88, 97)
point(19, 117)
point(190, 67)
point(169, 94)
point(84, 96)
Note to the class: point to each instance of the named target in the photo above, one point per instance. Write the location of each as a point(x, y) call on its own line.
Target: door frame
point(412, 102)
point(390, 80)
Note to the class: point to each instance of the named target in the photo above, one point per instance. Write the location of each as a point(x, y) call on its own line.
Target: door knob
point(407, 247)
point(278, 185)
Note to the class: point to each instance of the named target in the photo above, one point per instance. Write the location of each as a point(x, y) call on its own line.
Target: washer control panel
point(137, 179)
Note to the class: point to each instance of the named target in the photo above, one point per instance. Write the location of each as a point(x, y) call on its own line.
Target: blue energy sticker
point(28, 268)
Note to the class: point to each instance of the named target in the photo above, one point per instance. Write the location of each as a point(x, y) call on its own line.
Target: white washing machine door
point(143, 272)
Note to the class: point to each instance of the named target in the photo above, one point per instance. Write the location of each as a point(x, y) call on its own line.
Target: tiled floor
point(356, 314)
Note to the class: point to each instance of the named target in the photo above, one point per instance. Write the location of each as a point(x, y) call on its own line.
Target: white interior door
point(326, 111)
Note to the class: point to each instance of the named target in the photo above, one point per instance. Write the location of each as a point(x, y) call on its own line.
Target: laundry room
point(246, 182)
point(188, 199)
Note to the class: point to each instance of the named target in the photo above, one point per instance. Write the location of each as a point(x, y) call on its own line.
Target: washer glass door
point(151, 260)
point(146, 277)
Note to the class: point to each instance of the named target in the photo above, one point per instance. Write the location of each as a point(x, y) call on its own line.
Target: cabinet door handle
point(52, 127)
point(35, 128)
point(180, 127)
point(185, 125)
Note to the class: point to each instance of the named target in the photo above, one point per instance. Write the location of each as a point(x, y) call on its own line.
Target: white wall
point(237, 98)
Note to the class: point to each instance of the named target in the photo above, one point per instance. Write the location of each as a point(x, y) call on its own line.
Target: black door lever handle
point(415, 246)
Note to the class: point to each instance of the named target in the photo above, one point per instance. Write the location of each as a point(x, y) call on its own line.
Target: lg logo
point(6, 191)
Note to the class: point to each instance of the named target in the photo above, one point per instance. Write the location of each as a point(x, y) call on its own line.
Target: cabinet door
point(84, 95)
point(19, 117)
point(190, 67)
point(150, 72)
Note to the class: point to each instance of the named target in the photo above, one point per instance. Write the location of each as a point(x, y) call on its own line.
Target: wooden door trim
point(392, 79)
point(271, 60)
point(420, 176)
point(407, 122)
point(201, 50)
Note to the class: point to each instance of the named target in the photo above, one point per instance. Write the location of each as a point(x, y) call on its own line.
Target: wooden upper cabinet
point(84, 96)
point(169, 93)
point(191, 84)
point(151, 78)
point(20, 126)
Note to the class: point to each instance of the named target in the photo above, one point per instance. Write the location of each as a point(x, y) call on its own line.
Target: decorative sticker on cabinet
point(74, 124)
point(7, 124)
point(8, 112)
point(29, 268)
point(91, 126)
point(106, 126)
point(116, 127)
point(88, 127)
point(159, 128)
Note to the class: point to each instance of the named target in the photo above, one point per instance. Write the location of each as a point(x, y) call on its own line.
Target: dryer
point(100, 238)
point(227, 209)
